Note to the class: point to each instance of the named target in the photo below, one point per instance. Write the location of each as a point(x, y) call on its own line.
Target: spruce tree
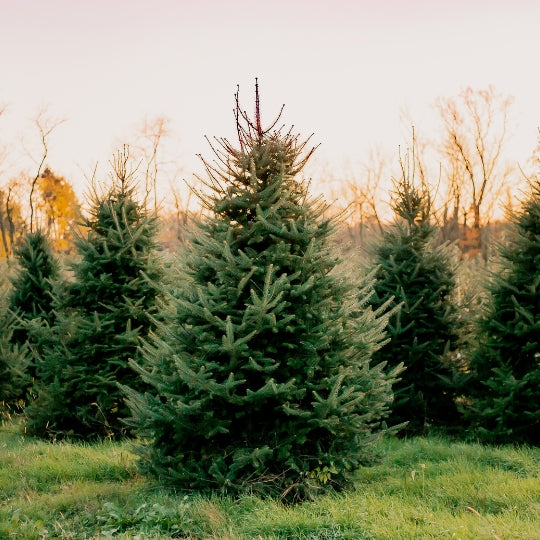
point(31, 296)
point(260, 378)
point(24, 299)
point(31, 299)
point(102, 314)
point(14, 360)
point(505, 391)
point(418, 280)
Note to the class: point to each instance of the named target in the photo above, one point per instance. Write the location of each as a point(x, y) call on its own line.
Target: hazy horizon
point(346, 71)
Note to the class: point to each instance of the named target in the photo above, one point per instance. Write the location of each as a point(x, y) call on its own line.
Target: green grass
point(422, 488)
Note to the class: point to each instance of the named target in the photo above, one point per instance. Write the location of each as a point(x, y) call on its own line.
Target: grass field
point(422, 488)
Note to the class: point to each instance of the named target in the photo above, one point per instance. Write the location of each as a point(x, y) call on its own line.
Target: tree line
point(466, 164)
point(256, 360)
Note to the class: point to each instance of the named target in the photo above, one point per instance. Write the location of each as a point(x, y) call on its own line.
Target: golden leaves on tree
point(59, 208)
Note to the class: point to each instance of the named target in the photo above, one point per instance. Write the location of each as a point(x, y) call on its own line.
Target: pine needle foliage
point(14, 361)
point(31, 299)
point(31, 295)
point(418, 280)
point(506, 364)
point(102, 315)
point(261, 380)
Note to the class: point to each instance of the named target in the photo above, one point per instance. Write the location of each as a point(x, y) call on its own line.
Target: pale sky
point(345, 70)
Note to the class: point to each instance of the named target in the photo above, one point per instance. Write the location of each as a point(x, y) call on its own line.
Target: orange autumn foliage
point(59, 208)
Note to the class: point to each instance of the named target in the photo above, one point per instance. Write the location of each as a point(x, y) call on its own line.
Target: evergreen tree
point(260, 378)
point(101, 316)
point(32, 293)
point(506, 365)
point(14, 359)
point(30, 302)
point(418, 279)
point(31, 296)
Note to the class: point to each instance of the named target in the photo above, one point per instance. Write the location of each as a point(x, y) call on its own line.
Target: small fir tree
point(260, 379)
point(418, 279)
point(14, 360)
point(505, 390)
point(31, 298)
point(101, 316)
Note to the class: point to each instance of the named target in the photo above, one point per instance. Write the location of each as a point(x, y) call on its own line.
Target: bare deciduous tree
point(2, 213)
point(364, 193)
point(475, 128)
point(45, 125)
point(3, 150)
point(148, 146)
point(11, 221)
point(3, 233)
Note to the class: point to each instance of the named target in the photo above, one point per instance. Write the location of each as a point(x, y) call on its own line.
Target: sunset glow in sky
point(345, 69)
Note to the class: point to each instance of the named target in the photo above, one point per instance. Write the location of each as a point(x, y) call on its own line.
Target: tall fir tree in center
point(261, 380)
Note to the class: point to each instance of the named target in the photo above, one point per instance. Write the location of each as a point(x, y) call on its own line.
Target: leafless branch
point(475, 131)
point(45, 125)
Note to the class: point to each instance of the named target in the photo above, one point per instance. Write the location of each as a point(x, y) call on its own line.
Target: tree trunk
point(3, 225)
